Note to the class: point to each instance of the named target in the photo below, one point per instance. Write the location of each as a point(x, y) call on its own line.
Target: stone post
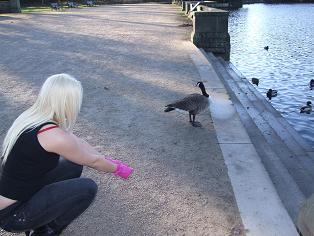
point(15, 6)
point(210, 31)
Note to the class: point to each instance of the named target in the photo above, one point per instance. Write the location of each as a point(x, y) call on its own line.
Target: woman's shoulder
point(53, 138)
point(46, 126)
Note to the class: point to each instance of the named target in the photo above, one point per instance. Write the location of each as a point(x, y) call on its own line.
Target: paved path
point(132, 60)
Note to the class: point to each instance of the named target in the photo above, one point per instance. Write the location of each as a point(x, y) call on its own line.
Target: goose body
point(266, 48)
point(306, 109)
point(193, 104)
point(311, 84)
point(271, 93)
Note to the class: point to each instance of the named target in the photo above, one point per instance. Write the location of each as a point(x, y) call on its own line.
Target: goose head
point(202, 87)
point(309, 103)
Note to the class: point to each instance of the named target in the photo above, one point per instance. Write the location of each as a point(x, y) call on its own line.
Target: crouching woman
point(41, 191)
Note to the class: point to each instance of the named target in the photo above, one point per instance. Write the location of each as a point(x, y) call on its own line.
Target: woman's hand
point(123, 170)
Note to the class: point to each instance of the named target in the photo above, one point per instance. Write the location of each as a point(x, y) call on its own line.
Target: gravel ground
point(131, 61)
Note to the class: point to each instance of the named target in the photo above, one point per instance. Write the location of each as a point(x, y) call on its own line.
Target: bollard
point(210, 31)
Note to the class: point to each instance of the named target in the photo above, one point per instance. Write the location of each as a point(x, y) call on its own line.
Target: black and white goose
point(194, 104)
point(306, 109)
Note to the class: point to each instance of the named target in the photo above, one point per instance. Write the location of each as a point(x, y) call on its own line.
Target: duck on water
point(271, 93)
point(306, 109)
point(311, 84)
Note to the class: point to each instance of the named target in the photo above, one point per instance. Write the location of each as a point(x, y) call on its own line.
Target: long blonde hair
point(59, 101)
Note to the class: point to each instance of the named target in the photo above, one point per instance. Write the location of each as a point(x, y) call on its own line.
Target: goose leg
point(195, 123)
point(190, 116)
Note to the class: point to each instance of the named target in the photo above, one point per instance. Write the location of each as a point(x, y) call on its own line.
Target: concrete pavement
point(132, 61)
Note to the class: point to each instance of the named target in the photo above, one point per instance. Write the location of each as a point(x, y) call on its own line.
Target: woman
point(40, 192)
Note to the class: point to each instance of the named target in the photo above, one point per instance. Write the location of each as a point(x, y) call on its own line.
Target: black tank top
point(23, 173)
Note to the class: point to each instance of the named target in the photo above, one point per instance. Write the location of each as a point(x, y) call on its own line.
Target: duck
point(194, 104)
point(255, 81)
point(311, 84)
point(271, 93)
point(306, 109)
point(266, 48)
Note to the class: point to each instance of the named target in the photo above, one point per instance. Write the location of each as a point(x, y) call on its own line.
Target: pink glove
point(122, 170)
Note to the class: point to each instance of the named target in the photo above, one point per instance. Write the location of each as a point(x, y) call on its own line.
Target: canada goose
point(266, 48)
point(311, 84)
point(306, 109)
point(255, 81)
point(271, 93)
point(193, 103)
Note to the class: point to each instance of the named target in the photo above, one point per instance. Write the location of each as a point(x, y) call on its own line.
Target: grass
point(33, 9)
point(36, 9)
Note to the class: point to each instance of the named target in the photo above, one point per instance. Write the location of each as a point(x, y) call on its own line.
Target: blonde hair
point(59, 101)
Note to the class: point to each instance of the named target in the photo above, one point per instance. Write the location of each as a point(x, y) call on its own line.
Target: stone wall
point(4, 6)
point(10, 6)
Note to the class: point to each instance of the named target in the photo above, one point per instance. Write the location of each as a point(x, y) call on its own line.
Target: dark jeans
point(63, 199)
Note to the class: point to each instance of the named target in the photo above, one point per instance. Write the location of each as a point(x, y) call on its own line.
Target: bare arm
point(74, 149)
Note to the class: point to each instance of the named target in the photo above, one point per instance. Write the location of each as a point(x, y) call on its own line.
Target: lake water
point(288, 65)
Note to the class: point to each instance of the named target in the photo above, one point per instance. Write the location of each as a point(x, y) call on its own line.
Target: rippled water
point(288, 65)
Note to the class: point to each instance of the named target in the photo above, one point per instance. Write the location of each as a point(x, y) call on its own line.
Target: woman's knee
point(89, 186)
point(76, 170)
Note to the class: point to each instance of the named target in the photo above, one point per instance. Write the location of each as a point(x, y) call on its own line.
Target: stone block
point(210, 31)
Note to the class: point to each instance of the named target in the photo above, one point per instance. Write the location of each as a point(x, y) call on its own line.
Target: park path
point(132, 60)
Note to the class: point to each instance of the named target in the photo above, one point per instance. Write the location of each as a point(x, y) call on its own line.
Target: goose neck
point(204, 92)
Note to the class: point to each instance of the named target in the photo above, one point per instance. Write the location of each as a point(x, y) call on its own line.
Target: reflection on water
point(288, 65)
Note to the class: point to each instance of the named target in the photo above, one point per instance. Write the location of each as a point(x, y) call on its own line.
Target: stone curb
point(260, 207)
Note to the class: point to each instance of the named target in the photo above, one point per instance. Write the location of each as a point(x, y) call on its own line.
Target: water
point(288, 65)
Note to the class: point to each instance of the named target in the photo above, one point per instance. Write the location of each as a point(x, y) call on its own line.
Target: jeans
point(64, 197)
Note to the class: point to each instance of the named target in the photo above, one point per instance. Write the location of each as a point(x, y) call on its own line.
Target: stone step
point(283, 122)
point(294, 141)
point(285, 185)
point(298, 164)
point(293, 156)
point(272, 118)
